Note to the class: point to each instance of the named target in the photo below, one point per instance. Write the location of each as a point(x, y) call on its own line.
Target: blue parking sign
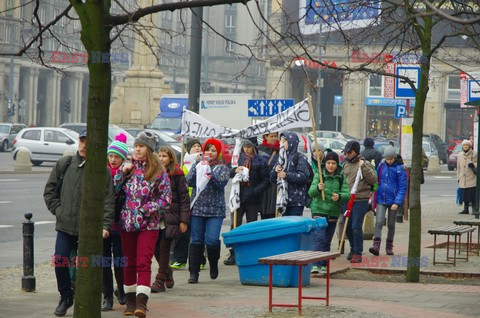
point(400, 111)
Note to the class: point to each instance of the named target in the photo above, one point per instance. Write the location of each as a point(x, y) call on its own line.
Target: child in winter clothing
point(180, 250)
point(297, 175)
point(148, 196)
point(392, 188)
point(336, 191)
point(177, 218)
point(117, 153)
point(208, 178)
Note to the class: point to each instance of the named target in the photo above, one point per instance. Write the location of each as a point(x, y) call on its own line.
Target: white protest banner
point(297, 116)
point(194, 125)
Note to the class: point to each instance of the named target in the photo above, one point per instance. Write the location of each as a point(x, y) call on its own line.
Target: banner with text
point(298, 116)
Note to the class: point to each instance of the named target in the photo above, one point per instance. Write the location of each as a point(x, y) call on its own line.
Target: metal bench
point(456, 231)
point(472, 223)
point(300, 259)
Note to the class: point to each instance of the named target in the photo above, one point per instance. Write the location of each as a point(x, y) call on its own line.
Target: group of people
point(154, 207)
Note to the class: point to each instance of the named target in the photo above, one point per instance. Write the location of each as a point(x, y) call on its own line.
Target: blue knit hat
point(119, 147)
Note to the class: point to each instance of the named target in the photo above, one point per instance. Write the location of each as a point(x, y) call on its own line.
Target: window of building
point(43, 15)
point(230, 23)
point(10, 8)
point(7, 35)
point(230, 46)
point(375, 87)
point(453, 88)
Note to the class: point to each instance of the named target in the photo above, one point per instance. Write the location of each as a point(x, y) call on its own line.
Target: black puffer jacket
point(180, 208)
point(371, 154)
point(258, 179)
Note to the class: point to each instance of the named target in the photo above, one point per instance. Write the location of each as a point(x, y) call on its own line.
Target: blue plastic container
point(271, 237)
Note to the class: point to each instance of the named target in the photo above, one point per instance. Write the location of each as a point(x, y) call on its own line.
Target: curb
point(452, 274)
point(24, 172)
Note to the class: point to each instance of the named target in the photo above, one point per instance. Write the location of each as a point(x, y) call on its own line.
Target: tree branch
point(115, 20)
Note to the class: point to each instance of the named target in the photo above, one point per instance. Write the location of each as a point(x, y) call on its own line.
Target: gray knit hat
point(321, 147)
point(389, 152)
point(146, 138)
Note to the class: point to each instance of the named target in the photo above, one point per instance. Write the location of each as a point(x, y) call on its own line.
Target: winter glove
point(471, 165)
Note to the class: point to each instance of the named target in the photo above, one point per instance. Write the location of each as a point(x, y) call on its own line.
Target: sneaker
point(323, 269)
point(349, 256)
point(356, 258)
point(202, 267)
point(314, 269)
point(463, 212)
point(177, 265)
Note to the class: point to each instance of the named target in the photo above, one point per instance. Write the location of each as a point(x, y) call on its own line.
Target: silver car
point(45, 144)
point(8, 131)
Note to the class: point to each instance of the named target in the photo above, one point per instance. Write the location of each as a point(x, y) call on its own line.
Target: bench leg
point(455, 252)
point(328, 282)
point(300, 283)
point(270, 282)
point(434, 247)
point(448, 246)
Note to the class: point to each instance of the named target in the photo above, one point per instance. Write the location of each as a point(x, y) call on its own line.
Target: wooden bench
point(472, 223)
point(300, 259)
point(456, 231)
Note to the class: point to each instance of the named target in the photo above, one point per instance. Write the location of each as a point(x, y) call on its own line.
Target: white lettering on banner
point(298, 116)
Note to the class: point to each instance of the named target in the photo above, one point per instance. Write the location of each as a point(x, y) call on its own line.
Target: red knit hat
point(216, 143)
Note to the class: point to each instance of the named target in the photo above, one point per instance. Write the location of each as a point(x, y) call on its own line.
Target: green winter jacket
point(329, 208)
point(66, 208)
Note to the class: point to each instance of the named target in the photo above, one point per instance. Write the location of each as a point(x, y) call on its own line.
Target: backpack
point(63, 171)
point(308, 200)
point(295, 162)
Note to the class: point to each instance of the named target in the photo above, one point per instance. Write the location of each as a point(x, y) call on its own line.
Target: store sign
point(469, 89)
point(389, 81)
point(386, 102)
point(301, 61)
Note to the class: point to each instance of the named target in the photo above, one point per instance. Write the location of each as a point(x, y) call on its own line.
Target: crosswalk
point(4, 226)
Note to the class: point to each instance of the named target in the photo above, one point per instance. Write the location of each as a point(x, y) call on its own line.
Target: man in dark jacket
point(63, 197)
point(369, 153)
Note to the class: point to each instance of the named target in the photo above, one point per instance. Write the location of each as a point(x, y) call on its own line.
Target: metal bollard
point(28, 279)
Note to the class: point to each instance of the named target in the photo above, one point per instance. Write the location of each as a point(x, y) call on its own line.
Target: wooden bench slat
point(472, 222)
point(298, 258)
point(451, 229)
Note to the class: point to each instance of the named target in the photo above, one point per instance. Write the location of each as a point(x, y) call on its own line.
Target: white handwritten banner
point(297, 116)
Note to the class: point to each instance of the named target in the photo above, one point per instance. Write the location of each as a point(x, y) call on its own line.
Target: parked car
point(333, 134)
point(45, 144)
point(439, 144)
point(8, 131)
point(452, 159)
point(380, 146)
point(113, 130)
point(134, 131)
point(228, 145)
point(452, 143)
point(336, 145)
point(430, 149)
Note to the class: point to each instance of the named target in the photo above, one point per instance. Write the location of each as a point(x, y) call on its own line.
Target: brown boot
point(159, 285)
point(375, 249)
point(169, 282)
point(131, 303)
point(141, 310)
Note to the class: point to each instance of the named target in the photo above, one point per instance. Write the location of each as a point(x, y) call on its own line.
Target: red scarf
point(113, 171)
point(275, 146)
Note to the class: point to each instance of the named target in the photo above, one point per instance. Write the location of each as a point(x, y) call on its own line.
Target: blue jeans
point(64, 244)
point(294, 210)
point(206, 230)
point(354, 227)
point(322, 239)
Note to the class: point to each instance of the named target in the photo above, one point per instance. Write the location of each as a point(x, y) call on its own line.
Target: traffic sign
point(338, 99)
point(473, 90)
point(268, 107)
point(402, 88)
point(400, 111)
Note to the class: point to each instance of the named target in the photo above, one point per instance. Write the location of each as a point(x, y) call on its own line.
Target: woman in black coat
point(269, 151)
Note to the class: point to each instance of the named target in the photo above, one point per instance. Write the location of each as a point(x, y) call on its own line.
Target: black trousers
point(112, 245)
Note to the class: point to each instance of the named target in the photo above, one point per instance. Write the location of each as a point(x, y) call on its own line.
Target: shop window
point(375, 87)
point(381, 122)
point(453, 88)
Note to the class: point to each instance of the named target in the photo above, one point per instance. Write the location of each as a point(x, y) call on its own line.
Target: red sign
point(389, 82)
point(301, 61)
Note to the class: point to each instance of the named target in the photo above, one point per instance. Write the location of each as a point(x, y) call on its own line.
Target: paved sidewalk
point(226, 297)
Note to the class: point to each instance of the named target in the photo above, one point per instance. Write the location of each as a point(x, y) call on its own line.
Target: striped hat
point(119, 147)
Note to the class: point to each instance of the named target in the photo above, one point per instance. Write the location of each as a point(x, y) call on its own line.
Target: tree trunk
point(95, 37)
point(415, 231)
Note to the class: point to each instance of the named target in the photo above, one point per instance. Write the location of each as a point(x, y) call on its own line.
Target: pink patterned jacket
point(146, 201)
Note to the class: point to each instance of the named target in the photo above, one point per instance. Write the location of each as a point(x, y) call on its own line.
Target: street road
point(20, 193)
